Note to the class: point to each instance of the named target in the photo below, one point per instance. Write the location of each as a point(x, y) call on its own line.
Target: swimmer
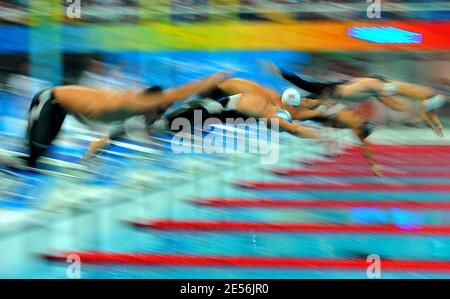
point(217, 110)
point(254, 100)
point(49, 108)
point(355, 90)
point(236, 107)
point(347, 118)
point(289, 98)
point(297, 108)
point(429, 102)
point(254, 105)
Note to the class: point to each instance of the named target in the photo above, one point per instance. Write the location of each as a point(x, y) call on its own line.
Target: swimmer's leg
point(312, 87)
point(45, 121)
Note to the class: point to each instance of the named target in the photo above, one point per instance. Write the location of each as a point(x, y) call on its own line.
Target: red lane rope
point(323, 228)
point(386, 162)
point(359, 172)
point(388, 155)
point(324, 204)
point(151, 259)
point(358, 166)
point(405, 148)
point(261, 185)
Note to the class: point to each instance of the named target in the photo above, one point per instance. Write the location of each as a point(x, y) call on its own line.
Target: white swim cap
point(291, 96)
point(390, 88)
point(284, 114)
point(434, 103)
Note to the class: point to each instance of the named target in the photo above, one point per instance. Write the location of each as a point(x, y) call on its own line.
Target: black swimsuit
point(317, 89)
point(46, 117)
point(188, 111)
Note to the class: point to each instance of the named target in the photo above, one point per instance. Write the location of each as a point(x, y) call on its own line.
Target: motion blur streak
point(370, 179)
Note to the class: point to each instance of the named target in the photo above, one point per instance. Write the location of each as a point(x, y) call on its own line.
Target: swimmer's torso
point(95, 104)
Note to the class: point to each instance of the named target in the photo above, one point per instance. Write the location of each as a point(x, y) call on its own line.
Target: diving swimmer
point(50, 106)
point(249, 98)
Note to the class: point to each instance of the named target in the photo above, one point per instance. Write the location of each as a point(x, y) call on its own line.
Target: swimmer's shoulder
point(74, 91)
point(66, 88)
point(370, 82)
point(100, 94)
point(242, 81)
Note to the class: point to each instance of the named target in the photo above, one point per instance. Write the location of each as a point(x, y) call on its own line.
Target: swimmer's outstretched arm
point(396, 105)
point(431, 120)
point(181, 93)
point(304, 114)
point(367, 152)
point(167, 98)
point(436, 121)
point(350, 119)
point(312, 103)
point(293, 128)
point(298, 130)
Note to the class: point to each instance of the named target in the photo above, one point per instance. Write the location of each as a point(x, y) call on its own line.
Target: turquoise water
point(93, 212)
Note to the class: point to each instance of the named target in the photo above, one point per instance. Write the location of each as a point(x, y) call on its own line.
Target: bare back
point(253, 105)
point(103, 105)
point(236, 86)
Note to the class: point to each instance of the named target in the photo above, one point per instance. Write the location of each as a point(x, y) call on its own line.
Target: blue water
point(128, 239)
point(108, 231)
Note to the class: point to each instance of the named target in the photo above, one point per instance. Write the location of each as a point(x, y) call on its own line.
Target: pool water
point(68, 214)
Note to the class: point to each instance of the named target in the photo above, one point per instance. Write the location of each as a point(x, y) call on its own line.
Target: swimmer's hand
point(438, 130)
point(220, 76)
point(94, 146)
point(377, 170)
point(212, 81)
point(269, 67)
